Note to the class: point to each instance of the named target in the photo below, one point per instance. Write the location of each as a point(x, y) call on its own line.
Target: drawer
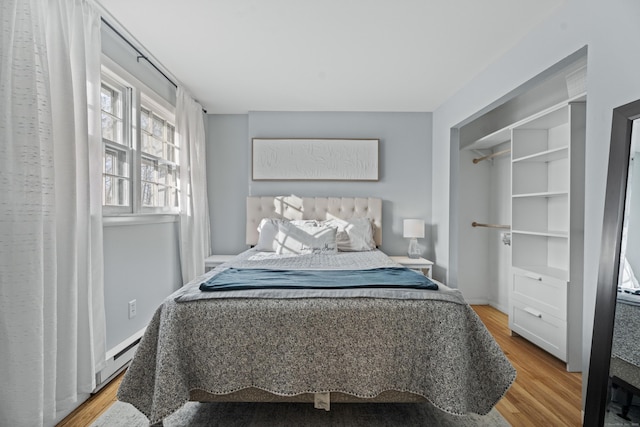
point(542, 329)
point(542, 293)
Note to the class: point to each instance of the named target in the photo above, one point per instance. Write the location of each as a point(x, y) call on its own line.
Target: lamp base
point(414, 249)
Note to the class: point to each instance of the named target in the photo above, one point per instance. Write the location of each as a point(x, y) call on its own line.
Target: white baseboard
point(125, 343)
point(118, 358)
point(499, 307)
point(477, 301)
point(114, 366)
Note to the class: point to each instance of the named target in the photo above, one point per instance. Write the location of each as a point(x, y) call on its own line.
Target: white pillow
point(305, 239)
point(268, 229)
point(354, 234)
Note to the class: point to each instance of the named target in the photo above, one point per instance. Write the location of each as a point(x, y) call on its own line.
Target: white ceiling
point(236, 56)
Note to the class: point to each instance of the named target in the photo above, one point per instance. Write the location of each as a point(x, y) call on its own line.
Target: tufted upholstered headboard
point(320, 208)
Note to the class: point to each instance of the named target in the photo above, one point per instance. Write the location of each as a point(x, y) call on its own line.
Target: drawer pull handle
point(534, 277)
point(533, 312)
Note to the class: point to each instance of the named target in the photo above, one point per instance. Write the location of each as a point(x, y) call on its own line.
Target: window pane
point(115, 191)
point(169, 178)
point(162, 174)
point(110, 162)
point(156, 147)
point(116, 162)
point(111, 114)
point(111, 128)
point(108, 193)
point(158, 127)
point(106, 99)
point(148, 170)
point(144, 120)
point(171, 131)
point(110, 101)
point(145, 145)
point(162, 194)
point(148, 196)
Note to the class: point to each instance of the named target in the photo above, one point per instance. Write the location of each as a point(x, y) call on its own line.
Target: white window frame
point(128, 144)
point(138, 94)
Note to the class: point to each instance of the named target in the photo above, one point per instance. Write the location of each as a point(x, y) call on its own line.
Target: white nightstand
point(213, 261)
point(419, 264)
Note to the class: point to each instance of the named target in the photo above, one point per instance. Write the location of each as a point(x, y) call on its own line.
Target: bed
point(318, 345)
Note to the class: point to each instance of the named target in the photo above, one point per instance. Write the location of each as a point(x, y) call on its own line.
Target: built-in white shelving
point(547, 208)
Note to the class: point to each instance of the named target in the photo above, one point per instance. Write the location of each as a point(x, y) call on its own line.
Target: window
point(141, 171)
point(159, 170)
point(117, 147)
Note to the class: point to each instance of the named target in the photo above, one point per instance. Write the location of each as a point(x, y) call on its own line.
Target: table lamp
point(413, 229)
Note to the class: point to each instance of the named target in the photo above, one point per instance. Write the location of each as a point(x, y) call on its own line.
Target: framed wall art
point(306, 159)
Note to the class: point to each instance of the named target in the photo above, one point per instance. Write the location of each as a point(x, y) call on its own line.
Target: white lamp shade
point(413, 228)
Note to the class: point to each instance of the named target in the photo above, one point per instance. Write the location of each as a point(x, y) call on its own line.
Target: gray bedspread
point(626, 331)
point(434, 347)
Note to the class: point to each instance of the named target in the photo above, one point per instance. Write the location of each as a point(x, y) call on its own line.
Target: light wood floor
point(91, 410)
point(544, 393)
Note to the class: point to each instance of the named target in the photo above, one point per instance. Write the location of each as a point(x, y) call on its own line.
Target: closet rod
point(140, 54)
point(492, 155)
point(479, 224)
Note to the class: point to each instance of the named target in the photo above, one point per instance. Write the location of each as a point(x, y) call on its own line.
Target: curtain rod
point(140, 54)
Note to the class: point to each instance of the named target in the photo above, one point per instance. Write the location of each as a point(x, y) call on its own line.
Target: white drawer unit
point(538, 310)
point(539, 327)
point(540, 292)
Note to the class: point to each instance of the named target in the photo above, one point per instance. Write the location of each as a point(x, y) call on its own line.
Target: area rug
point(224, 414)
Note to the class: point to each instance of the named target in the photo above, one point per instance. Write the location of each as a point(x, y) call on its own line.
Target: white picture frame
point(320, 159)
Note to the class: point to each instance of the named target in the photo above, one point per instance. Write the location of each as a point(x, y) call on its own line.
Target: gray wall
point(141, 263)
point(227, 186)
point(609, 29)
point(405, 169)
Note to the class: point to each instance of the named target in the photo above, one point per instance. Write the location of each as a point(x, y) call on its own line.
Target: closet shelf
point(545, 156)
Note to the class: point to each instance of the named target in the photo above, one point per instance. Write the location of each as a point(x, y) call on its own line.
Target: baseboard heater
point(118, 360)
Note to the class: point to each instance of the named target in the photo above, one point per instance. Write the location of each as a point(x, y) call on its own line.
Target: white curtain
point(194, 218)
point(52, 331)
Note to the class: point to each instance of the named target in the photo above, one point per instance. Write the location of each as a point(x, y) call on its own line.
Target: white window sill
point(140, 219)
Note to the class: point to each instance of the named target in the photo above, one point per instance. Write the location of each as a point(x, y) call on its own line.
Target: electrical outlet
point(132, 309)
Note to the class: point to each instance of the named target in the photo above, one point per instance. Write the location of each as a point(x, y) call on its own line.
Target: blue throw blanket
point(234, 279)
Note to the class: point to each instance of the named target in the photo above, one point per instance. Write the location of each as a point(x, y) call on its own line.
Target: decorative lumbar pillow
point(354, 234)
point(268, 229)
point(305, 239)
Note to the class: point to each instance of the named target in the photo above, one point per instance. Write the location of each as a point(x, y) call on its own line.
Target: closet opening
point(518, 207)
